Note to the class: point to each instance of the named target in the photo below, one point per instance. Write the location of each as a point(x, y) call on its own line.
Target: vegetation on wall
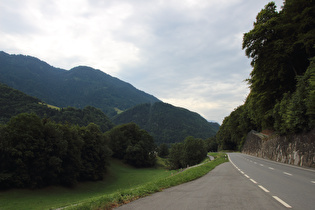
point(282, 48)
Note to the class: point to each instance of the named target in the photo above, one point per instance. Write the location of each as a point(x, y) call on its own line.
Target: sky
point(187, 53)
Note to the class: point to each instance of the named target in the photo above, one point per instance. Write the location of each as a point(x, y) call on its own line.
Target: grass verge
point(125, 196)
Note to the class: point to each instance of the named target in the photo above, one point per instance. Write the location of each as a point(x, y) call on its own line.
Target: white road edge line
point(287, 173)
point(282, 202)
point(264, 189)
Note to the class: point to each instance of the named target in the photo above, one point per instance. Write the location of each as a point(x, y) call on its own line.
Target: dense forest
point(79, 87)
point(37, 153)
point(14, 102)
point(281, 47)
point(166, 123)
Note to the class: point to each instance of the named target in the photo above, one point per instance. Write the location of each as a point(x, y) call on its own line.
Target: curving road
point(293, 187)
point(227, 187)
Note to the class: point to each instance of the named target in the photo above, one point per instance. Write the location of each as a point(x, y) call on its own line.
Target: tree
point(280, 45)
point(94, 154)
point(133, 145)
point(176, 156)
point(163, 150)
point(194, 151)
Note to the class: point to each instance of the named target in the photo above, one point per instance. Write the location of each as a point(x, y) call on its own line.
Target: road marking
point(264, 189)
point(287, 174)
point(271, 168)
point(261, 164)
point(246, 176)
point(253, 181)
point(282, 202)
point(242, 172)
point(255, 162)
point(313, 182)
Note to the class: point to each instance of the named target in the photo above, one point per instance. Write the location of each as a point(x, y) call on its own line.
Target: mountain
point(79, 87)
point(167, 123)
point(14, 102)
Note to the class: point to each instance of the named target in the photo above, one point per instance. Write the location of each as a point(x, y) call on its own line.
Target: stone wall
point(296, 149)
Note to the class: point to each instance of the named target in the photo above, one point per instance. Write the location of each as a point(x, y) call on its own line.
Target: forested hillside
point(14, 102)
point(79, 87)
point(281, 47)
point(167, 123)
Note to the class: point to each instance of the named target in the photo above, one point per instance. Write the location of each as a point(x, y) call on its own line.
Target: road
point(293, 187)
point(223, 188)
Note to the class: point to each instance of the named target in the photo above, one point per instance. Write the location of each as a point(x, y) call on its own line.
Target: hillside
point(79, 87)
point(167, 123)
point(282, 81)
point(14, 102)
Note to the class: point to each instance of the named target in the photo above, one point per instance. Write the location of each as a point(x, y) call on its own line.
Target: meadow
point(122, 184)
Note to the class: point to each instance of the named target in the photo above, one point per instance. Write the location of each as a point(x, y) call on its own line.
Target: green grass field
point(121, 184)
point(120, 177)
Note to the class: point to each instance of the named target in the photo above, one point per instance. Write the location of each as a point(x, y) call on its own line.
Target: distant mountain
point(14, 102)
point(79, 87)
point(167, 123)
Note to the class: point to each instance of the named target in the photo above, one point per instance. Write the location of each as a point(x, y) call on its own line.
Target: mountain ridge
point(70, 87)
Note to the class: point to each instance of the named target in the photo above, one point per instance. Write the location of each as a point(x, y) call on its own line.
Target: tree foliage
point(163, 151)
point(133, 145)
point(282, 48)
point(36, 153)
point(190, 152)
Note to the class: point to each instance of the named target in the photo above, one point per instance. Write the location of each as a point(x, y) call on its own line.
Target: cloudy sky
point(185, 52)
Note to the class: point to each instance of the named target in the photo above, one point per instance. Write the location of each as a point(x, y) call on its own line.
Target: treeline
point(282, 82)
point(37, 152)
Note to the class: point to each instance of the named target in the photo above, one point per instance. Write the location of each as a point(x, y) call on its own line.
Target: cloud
point(187, 53)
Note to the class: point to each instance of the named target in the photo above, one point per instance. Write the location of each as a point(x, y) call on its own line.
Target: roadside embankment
point(297, 149)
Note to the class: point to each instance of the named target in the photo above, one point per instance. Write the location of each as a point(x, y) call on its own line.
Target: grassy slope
point(124, 196)
point(120, 177)
point(122, 184)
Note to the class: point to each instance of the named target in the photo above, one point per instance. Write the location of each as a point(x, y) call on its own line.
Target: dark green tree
point(163, 150)
point(133, 145)
point(194, 151)
point(175, 157)
point(95, 153)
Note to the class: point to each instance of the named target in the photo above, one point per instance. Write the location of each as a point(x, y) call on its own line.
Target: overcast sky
point(185, 52)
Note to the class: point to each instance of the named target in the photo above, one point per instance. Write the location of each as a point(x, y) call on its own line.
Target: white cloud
point(187, 53)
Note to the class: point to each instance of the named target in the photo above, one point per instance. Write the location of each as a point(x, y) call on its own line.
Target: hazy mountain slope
point(167, 123)
point(14, 102)
point(78, 87)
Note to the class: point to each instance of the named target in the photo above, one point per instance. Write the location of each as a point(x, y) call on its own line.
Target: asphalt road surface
point(292, 186)
point(227, 187)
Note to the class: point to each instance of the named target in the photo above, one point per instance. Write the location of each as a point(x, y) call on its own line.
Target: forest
point(43, 145)
point(281, 47)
